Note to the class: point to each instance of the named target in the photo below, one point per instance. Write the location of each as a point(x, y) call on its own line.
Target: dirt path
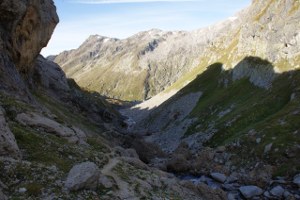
point(125, 191)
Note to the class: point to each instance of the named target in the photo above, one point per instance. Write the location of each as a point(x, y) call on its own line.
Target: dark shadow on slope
point(248, 106)
point(258, 71)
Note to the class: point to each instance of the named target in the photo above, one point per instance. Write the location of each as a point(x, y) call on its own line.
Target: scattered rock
point(105, 182)
point(268, 148)
point(232, 196)
point(219, 177)
point(230, 187)
point(232, 178)
point(277, 191)
point(258, 140)
point(83, 176)
point(286, 194)
point(22, 190)
point(267, 194)
point(8, 144)
point(250, 191)
point(297, 180)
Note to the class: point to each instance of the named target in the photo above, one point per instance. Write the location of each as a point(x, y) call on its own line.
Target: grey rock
point(73, 135)
point(231, 187)
point(277, 191)
point(232, 178)
point(287, 194)
point(232, 196)
point(258, 140)
point(49, 75)
point(8, 144)
point(83, 176)
point(267, 194)
point(268, 148)
point(105, 182)
point(22, 190)
point(296, 180)
point(218, 177)
point(250, 191)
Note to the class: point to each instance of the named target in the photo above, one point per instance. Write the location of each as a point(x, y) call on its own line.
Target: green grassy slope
point(239, 111)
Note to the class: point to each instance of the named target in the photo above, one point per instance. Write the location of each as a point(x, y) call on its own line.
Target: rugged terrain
point(228, 128)
point(58, 141)
point(239, 108)
point(141, 66)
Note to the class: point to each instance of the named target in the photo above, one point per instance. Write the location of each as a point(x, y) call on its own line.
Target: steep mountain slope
point(138, 67)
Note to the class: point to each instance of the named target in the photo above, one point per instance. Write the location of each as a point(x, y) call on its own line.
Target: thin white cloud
point(124, 1)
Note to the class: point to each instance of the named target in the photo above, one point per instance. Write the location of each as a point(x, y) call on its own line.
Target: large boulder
point(83, 176)
point(73, 134)
point(8, 144)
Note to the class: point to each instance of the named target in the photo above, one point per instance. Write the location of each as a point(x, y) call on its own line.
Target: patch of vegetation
point(13, 106)
point(97, 144)
point(42, 148)
point(34, 189)
point(246, 108)
point(295, 7)
point(263, 11)
point(123, 172)
point(66, 114)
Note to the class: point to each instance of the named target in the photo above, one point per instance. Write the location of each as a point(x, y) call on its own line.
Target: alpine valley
point(208, 114)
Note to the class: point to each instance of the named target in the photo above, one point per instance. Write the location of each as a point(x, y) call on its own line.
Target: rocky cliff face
point(27, 27)
point(138, 67)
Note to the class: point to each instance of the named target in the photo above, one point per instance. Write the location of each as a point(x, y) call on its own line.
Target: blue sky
point(123, 18)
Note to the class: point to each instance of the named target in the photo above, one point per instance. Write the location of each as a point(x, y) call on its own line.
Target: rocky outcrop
point(50, 76)
point(73, 135)
point(8, 144)
point(26, 28)
point(83, 176)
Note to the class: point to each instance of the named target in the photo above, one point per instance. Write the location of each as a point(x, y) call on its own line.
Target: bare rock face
point(50, 76)
point(8, 144)
point(26, 27)
point(73, 135)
